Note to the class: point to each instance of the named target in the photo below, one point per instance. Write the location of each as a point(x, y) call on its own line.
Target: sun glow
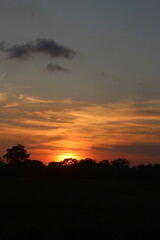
point(68, 156)
point(65, 156)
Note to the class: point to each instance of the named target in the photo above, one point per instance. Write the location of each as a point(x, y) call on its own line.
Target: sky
point(81, 79)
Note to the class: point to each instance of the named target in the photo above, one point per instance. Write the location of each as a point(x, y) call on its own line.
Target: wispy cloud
point(3, 97)
point(44, 46)
point(144, 149)
point(55, 68)
point(2, 76)
point(32, 99)
point(100, 131)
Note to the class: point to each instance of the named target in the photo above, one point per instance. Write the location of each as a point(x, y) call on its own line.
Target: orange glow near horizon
point(67, 155)
point(54, 130)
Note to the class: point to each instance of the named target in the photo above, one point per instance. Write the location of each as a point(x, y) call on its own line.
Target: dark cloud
point(44, 46)
point(53, 67)
point(3, 46)
point(23, 51)
point(150, 149)
point(41, 139)
point(43, 146)
point(53, 49)
point(55, 148)
point(102, 147)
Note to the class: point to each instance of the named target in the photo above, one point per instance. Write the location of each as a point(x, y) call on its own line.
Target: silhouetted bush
point(16, 163)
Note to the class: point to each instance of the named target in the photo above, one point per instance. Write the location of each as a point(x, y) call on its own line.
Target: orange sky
point(80, 79)
point(54, 129)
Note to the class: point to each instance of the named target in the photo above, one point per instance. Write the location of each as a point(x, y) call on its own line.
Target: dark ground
point(79, 209)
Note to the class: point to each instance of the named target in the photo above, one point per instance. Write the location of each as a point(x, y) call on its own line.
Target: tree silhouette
point(120, 162)
point(16, 153)
point(105, 163)
point(69, 161)
point(2, 163)
point(54, 164)
point(87, 162)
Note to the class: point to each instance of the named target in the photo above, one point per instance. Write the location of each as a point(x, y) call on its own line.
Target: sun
point(65, 156)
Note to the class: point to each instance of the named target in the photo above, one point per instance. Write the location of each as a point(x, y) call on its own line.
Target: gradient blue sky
point(116, 64)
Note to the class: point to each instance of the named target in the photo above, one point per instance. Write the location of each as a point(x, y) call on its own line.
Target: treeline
point(16, 163)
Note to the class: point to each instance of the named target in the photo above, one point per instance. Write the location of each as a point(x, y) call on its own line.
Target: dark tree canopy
point(16, 153)
point(104, 163)
point(120, 162)
point(16, 163)
point(87, 162)
point(69, 161)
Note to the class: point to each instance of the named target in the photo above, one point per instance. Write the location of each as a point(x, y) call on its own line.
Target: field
point(79, 209)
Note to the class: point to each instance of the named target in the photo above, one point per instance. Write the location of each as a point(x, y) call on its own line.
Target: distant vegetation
point(16, 162)
point(77, 200)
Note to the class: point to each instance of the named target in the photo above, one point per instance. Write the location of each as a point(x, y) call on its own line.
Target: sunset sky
point(81, 78)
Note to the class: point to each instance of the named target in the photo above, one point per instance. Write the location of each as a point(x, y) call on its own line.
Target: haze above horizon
point(81, 79)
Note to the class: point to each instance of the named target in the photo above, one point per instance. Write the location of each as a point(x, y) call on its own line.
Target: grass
point(78, 209)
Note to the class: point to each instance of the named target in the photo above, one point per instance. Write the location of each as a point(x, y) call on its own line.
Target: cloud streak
point(41, 45)
point(101, 131)
point(2, 76)
point(145, 149)
point(55, 68)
